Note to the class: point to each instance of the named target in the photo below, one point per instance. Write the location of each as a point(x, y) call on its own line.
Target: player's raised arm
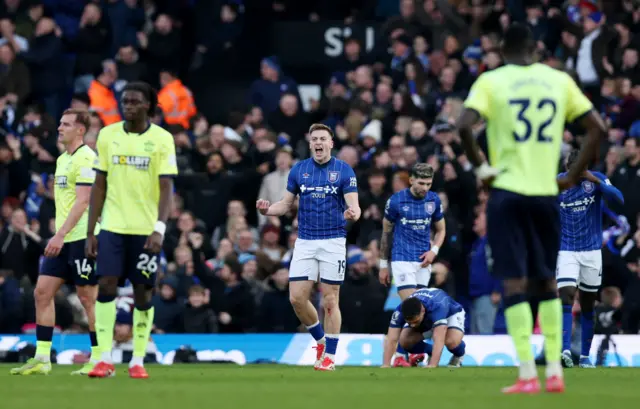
point(350, 192)
point(610, 192)
point(353, 211)
point(277, 209)
point(580, 108)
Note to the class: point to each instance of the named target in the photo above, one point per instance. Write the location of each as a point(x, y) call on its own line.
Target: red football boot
point(102, 370)
point(416, 359)
point(528, 386)
point(327, 365)
point(555, 384)
point(319, 355)
point(401, 362)
point(138, 372)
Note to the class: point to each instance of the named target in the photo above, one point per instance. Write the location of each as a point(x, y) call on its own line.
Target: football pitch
point(273, 386)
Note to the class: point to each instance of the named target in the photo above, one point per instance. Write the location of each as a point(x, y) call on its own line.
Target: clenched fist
point(263, 206)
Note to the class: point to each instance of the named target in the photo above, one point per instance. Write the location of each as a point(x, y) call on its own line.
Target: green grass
point(282, 387)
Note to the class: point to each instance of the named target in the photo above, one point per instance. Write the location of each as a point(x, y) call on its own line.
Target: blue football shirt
point(321, 189)
point(438, 306)
point(581, 214)
point(412, 218)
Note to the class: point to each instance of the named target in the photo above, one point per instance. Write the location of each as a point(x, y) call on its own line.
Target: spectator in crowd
point(103, 99)
point(197, 316)
point(267, 91)
point(176, 100)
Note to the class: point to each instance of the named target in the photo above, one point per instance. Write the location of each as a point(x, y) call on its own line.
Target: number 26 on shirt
point(544, 113)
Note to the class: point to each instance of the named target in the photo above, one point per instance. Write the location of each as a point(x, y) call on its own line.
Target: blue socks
point(332, 344)
point(401, 351)
point(567, 327)
point(459, 350)
point(316, 331)
point(586, 322)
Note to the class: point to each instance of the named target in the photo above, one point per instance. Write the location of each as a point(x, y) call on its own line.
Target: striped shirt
point(321, 189)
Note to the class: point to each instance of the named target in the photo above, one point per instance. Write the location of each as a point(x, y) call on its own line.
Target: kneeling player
point(580, 258)
point(430, 313)
point(64, 254)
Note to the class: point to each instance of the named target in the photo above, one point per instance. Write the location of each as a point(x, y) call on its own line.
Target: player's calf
point(587, 303)
point(456, 346)
point(567, 296)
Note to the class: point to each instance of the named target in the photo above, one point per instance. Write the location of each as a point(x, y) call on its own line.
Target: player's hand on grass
point(427, 258)
point(54, 246)
point(263, 206)
point(91, 246)
point(154, 243)
point(350, 214)
point(383, 276)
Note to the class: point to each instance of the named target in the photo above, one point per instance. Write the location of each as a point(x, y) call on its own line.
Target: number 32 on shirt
point(526, 110)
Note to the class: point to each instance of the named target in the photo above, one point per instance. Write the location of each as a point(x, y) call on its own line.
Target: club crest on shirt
point(588, 186)
point(430, 207)
point(333, 176)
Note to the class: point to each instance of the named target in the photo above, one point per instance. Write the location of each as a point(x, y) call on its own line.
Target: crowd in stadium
point(388, 112)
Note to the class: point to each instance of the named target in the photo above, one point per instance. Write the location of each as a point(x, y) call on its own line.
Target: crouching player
point(430, 314)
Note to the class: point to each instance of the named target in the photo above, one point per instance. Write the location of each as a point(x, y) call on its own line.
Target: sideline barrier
point(353, 349)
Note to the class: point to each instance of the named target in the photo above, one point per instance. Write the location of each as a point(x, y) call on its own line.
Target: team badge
point(587, 186)
point(334, 176)
point(430, 207)
point(401, 277)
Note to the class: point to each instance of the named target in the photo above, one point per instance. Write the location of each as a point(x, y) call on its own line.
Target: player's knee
point(567, 295)
point(297, 299)
point(453, 339)
point(42, 295)
point(515, 286)
point(142, 295)
point(108, 286)
point(330, 301)
point(87, 300)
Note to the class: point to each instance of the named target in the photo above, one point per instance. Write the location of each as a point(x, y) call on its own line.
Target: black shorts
point(124, 256)
point(524, 234)
point(71, 265)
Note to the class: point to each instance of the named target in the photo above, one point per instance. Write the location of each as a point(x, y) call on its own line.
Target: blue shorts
point(124, 256)
point(71, 265)
point(524, 235)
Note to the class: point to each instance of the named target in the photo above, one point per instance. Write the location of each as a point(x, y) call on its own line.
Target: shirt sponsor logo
point(430, 207)
point(578, 205)
point(138, 162)
point(353, 182)
point(61, 182)
point(319, 192)
point(334, 176)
